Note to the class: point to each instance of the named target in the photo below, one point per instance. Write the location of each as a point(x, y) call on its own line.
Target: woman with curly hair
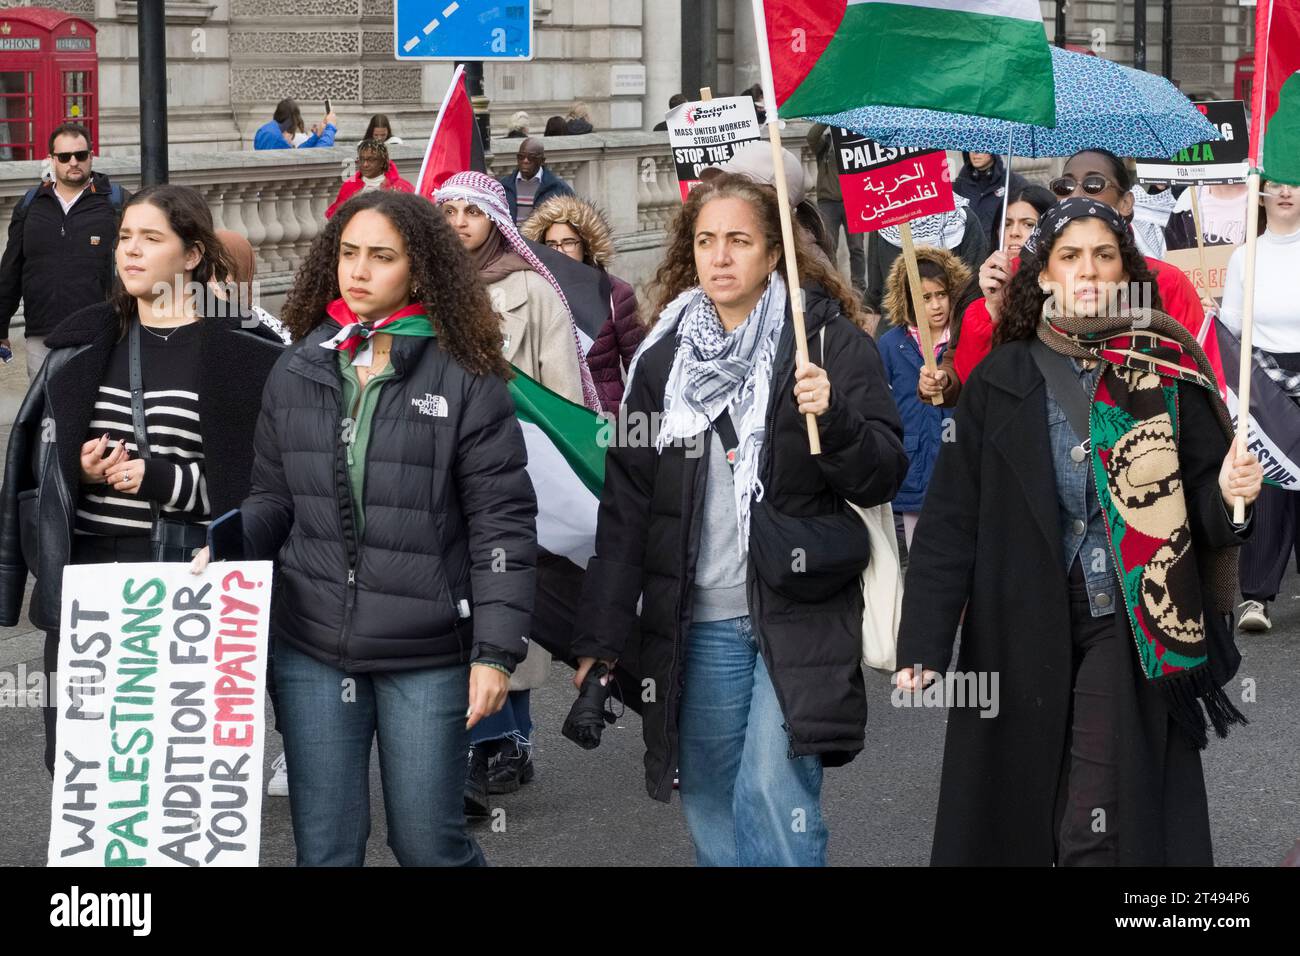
point(943, 277)
point(755, 658)
point(1082, 518)
point(576, 228)
point(390, 488)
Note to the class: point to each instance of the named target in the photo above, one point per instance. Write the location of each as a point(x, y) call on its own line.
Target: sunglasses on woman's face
point(81, 154)
point(1093, 184)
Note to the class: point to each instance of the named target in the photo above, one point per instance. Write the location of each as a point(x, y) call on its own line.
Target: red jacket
point(350, 187)
point(1177, 294)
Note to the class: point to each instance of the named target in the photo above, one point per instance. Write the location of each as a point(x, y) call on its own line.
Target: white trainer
point(278, 785)
point(1253, 617)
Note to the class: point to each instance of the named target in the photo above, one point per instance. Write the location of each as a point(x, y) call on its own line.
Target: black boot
point(512, 767)
point(476, 782)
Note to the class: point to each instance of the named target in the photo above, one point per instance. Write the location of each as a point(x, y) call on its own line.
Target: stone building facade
point(229, 61)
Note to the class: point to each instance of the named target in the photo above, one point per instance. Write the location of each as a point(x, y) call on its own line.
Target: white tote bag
point(882, 590)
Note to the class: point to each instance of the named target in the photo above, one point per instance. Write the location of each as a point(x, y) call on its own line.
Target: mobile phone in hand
point(328, 109)
point(226, 537)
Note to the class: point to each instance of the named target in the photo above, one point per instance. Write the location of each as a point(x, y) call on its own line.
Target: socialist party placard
point(886, 185)
point(160, 692)
point(708, 133)
point(1217, 161)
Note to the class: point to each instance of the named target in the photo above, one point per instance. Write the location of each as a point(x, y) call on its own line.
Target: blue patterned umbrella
point(1099, 104)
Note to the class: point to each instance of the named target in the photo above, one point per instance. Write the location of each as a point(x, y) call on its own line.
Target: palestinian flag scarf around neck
point(353, 336)
point(1135, 432)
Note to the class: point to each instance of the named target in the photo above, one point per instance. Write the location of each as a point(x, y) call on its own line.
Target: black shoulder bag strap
point(137, 400)
point(1066, 388)
point(727, 432)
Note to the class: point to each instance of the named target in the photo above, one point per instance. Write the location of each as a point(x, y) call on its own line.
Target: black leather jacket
point(43, 466)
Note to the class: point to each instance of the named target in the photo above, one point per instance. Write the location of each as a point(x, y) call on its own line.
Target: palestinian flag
point(1274, 427)
point(982, 57)
point(566, 462)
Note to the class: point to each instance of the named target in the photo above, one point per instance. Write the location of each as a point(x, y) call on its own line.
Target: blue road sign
point(463, 29)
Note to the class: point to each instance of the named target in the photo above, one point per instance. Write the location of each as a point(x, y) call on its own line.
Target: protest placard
point(1217, 161)
point(1206, 268)
point(160, 693)
point(707, 133)
point(885, 185)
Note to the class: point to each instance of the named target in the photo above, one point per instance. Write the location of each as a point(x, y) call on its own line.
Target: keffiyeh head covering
point(1062, 214)
point(485, 192)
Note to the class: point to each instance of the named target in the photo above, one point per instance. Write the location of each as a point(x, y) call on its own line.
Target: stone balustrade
point(278, 198)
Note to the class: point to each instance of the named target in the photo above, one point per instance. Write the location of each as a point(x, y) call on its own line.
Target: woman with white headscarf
point(542, 342)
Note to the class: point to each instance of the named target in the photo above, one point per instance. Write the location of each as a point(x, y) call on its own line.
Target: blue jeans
point(746, 802)
point(515, 720)
point(329, 718)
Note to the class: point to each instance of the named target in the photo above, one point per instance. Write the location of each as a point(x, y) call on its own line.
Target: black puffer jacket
point(449, 514)
point(56, 263)
point(43, 467)
point(985, 189)
point(649, 532)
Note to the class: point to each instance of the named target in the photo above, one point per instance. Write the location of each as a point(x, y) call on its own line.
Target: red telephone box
point(1243, 78)
point(49, 74)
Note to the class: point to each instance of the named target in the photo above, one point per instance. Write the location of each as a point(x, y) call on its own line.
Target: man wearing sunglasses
point(59, 258)
point(1097, 174)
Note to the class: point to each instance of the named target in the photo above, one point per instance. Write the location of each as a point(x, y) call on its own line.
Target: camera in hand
point(591, 712)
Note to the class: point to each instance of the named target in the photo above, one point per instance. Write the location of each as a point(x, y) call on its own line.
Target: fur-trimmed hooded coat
point(923, 422)
point(611, 354)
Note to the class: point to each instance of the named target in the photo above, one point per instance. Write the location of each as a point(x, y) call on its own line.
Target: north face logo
point(434, 405)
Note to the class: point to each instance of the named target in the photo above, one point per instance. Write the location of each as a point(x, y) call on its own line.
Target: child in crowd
point(943, 276)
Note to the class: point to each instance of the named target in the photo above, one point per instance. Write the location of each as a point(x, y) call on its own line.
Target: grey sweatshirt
point(720, 569)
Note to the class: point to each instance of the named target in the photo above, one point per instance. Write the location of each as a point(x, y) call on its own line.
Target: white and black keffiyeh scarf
point(1286, 380)
point(943, 230)
point(714, 370)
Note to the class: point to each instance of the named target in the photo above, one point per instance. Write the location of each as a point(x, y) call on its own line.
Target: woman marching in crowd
point(1276, 342)
point(576, 228)
point(756, 665)
point(1091, 445)
point(1101, 176)
point(943, 277)
point(542, 342)
point(89, 491)
point(389, 486)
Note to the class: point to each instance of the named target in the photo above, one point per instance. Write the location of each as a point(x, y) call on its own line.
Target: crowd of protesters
point(407, 553)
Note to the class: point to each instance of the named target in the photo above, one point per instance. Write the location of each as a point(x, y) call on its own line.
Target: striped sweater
point(173, 476)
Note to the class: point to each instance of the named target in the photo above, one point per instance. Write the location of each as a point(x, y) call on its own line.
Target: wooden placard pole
point(918, 302)
point(1200, 239)
point(1247, 330)
point(783, 200)
point(706, 93)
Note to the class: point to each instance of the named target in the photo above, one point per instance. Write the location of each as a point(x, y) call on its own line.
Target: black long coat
point(648, 538)
point(990, 534)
